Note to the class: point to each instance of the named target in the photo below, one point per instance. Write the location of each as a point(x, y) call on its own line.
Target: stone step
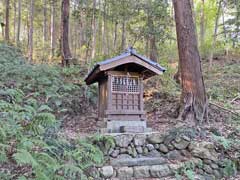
point(143, 161)
point(137, 172)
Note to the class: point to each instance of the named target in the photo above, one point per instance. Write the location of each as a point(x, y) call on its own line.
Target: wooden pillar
point(99, 100)
point(141, 94)
point(109, 92)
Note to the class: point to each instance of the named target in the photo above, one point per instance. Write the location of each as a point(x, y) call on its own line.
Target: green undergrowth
point(223, 80)
point(33, 99)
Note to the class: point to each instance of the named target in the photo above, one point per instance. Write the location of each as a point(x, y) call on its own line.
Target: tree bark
point(75, 35)
point(153, 48)
point(115, 36)
point(147, 45)
point(53, 29)
point(214, 35)
point(65, 50)
point(104, 30)
point(193, 11)
point(193, 99)
point(30, 33)
point(44, 22)
point(237, 16)
point(14, 20)
point(123, 45)
point(80, 42)
point(152, 40)
point(7, 6)
point(19, 22)
point(202, 25)
point(107, 30)
point(224, 29)
point(2, 27)
point(223, 22)
point(93, 31)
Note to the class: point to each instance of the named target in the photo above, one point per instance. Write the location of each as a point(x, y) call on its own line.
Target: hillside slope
point(34, 102)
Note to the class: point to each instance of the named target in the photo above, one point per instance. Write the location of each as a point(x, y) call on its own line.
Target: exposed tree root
point(195, 113)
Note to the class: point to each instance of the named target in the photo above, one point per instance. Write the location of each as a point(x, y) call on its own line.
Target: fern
point(190, 174)
point(72, 171)
point(40, 122)
point(3, 156)
point(45, 108)
point(22, 178)
point(47, 161)
point(186, 170)
point(230, 168)
point(3, 134)
point(30, 95)
point(5, 176)
point(44, 119)
point(5, 106)
point(32, 102)
point(12, 95)
point(93, 155)
point(226, 143)
point(103, 142)
point(23, 157)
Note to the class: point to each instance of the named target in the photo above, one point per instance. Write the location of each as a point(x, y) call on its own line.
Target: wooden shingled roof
point(131, 60)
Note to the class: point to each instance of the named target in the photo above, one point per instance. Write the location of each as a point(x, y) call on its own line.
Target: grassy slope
point(34, 100)
point(223, 81)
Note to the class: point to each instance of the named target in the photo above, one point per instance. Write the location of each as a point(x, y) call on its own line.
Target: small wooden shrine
point(120, 81)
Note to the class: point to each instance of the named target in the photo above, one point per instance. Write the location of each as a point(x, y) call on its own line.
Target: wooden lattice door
point(125, 92)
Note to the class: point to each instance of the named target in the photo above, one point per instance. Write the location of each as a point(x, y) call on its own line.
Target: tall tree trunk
point(214, 35)
point(224, 29)
point(7, 6)
point(152, 40)
point(237, 17)
point(193, 98)
point(202, 25)
point(194, 17)
point(14, 19)
point(19, 22)
point(44, 54)
point(2, 27)
point(223, 22)
point(65, 50)
point(115, 36)
point(30, 35)
point(153, 48)
point(104, 29)
point(53, 28)
point(99, 29)
point(193, 11)
point(147, 46)
point(93, 31)
point(123, 45)
point(80, 32)
point(75, 37)
point(44, 23)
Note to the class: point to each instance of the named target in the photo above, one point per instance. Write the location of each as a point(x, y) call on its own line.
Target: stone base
point(126, 127)
point(156, 155)
point(143, 161)
point(138, 172)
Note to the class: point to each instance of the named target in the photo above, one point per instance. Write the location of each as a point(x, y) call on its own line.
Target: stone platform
point(126, 126)
point(153, 155)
